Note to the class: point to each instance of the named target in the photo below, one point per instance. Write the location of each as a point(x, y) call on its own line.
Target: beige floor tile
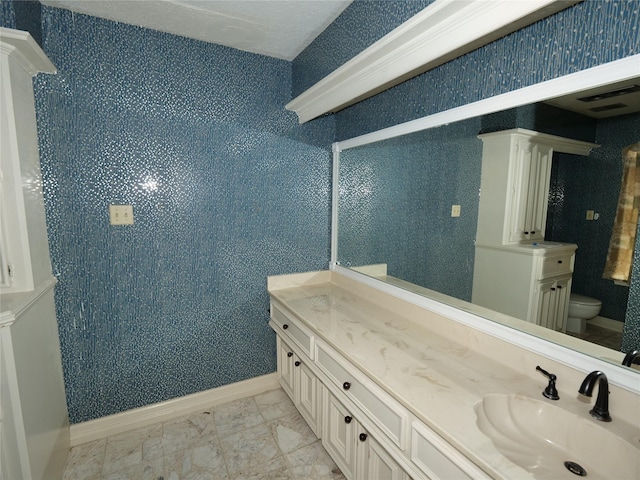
point(235, 416)
point(275, 404)
point(291, 433)
point(240, 440)
point(251, 447)
point(313, 463)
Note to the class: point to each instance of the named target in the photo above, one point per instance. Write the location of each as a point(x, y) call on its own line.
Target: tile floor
point(260, 437)
point(601, 336)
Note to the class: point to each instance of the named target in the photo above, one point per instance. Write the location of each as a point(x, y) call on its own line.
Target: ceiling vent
point(613, 93)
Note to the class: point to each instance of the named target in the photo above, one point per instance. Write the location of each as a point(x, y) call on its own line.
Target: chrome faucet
point(631, 357)
point(601, 408)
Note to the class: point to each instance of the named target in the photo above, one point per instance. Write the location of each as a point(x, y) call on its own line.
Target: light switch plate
point(121, 214)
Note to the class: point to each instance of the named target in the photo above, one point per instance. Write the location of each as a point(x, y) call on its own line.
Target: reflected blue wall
point(226, 189)
point(395, 206)
point(593, 183)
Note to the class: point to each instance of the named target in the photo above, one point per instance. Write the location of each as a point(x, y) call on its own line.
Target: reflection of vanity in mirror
point(407, 208)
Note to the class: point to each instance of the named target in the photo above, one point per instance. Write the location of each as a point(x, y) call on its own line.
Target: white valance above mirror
point(441, 32)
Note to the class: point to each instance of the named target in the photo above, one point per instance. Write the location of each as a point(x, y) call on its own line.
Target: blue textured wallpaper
point(361, 24)
point(7, 14)
point(395, 206)
point(593, 183)
point(226, 189)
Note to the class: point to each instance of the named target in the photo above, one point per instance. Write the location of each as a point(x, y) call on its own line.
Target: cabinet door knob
point(559, 261)
point(346, 385)
point(559, 287)
point(363, 437)
point(347, 419)
point(553, 289)
point(285, 326)
point(526, 233)
point(297, 364)
point(533, 233)
point(289, 354)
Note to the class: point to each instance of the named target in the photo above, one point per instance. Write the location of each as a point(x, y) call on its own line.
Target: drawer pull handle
point(553, 289)
point(347, 419)
point(533, 232)
point(297, 364)
point(346, 385)
point(285, 326)
point(526, 233)
point(559, 261)
point(289, 354)
point(363, 437)
point(559, 287)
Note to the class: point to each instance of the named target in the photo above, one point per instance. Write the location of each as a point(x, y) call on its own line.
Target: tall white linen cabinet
point(34, 424)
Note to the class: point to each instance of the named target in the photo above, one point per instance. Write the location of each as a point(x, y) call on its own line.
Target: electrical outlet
point(590, 214)
point(121, 214)
point(455, 210)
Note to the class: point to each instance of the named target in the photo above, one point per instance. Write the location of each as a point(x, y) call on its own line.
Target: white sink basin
point(541, 437)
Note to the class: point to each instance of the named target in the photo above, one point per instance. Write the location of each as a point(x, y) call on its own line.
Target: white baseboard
point(159, 412)
point(607, 323)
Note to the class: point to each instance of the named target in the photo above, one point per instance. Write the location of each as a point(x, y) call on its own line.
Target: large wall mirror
point(394, 189)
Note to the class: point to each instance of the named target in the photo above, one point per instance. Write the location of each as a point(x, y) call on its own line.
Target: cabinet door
point(376, 463)
point(285, 359)
point(545, 314)
point(530, 187)
point(563, 293)
point(553, 303)
point(308, 390)
point(339, 430)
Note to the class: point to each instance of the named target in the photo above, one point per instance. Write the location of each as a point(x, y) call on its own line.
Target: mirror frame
point(607, 73)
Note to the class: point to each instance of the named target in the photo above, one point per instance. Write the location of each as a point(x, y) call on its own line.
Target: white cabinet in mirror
point(456, 267)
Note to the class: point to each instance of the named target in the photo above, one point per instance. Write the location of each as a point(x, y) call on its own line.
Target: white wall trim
point(607, 323)
point(444, 30)
point(21, 46)
point(170, 409)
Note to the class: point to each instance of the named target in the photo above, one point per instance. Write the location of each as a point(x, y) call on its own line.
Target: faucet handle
point(551, 392)
point(632, 357)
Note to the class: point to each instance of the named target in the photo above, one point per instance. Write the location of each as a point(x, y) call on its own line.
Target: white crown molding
point(444, 30)
point(161, 412)
point(559, 144)
point(23, 48)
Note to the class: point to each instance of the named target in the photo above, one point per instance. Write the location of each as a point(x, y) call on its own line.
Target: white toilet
point(581, 309)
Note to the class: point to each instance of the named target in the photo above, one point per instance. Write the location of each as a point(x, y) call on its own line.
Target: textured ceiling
point(276, 28)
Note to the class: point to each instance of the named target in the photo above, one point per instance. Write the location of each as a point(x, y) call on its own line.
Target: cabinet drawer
point(557, 265)
point(382, 409)
point(296, 333)
point(439, 460)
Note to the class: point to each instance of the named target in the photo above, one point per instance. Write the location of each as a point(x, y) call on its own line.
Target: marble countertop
point(437, 379)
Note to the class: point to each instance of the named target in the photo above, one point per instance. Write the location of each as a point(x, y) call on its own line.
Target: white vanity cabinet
point(530, 282)
point(367, 432)
point(514, 184)
point(301, 384)
point(552, 303)
point(358, 455)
